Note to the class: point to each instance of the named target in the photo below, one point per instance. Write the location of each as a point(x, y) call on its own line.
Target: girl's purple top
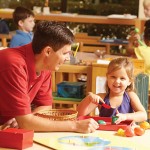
point(125, 107)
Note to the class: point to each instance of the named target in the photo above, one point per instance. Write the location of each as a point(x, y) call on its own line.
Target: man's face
point(55, 59)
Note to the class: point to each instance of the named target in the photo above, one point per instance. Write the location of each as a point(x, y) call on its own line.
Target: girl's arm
point(139, 110)
point(133, 42)
point(88, 104)
point(139, 113)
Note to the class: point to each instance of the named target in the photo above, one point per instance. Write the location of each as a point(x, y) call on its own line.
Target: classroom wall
point(141, 10)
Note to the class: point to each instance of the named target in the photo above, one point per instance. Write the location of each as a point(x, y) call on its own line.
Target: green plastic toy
point(102, 122)
point(140, 42)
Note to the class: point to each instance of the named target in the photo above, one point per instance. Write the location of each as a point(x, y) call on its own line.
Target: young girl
point(120, 95)
point(135, 37)
point(141, 52)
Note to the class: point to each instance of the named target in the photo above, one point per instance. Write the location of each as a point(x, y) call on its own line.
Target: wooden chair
point(87, 47)
point(4, 38)
point(148, 111)
point(69, 72)
point(90, 43)
point(142, 88)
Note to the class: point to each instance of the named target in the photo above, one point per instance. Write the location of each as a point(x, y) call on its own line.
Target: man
point(25, 78)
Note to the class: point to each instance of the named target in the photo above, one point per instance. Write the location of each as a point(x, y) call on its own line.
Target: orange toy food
point(139, 131)
point(145, 125)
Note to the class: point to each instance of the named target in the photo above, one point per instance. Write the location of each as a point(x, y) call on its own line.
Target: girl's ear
point(129, 83)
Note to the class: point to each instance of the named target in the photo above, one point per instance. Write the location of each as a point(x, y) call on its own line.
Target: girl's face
point(118, 81)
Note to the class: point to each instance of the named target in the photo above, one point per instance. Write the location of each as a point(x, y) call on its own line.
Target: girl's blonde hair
point(119, 63)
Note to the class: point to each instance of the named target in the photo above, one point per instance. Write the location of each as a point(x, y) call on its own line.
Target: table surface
point(51, 139)
point(136, 142)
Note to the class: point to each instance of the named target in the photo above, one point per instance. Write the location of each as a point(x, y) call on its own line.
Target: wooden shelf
point(66, 17)
point(89, 19)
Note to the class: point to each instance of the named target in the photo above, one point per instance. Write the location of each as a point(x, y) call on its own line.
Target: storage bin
point(71, 89)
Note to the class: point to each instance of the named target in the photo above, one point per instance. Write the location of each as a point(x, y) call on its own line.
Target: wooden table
point(136, 142)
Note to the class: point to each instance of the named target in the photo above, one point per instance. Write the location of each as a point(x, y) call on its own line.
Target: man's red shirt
point(19, 84)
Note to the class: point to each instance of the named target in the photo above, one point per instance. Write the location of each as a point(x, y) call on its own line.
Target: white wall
point(141, 10)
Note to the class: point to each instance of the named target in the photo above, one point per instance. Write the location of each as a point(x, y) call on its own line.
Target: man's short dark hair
point(53, 34)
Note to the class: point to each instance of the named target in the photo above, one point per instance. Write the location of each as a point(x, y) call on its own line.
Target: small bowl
point(100, 53)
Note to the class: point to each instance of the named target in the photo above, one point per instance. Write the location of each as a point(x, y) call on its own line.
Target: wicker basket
point(58, 114)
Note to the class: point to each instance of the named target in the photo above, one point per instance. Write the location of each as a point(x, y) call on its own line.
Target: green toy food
point(102, 122)
point(114, 118)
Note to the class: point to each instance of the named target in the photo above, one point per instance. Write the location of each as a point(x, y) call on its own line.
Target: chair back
point(142, 87)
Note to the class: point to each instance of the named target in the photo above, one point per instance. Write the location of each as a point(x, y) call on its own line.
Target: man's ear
point(47, 50)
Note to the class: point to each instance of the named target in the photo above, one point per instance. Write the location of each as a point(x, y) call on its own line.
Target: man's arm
point(41, 108)
point(36, 123)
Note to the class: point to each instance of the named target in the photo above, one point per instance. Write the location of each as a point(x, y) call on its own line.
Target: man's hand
point(12, 123)
point(86, 126)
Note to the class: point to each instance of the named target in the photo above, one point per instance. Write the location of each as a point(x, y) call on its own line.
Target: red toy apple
point(129, 132)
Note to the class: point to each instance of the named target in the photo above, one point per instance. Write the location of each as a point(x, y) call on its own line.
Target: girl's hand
point(133, 39)
point(95, 98)
point(121, 117)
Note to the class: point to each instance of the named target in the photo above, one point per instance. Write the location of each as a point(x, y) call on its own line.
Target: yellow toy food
point(121, 132)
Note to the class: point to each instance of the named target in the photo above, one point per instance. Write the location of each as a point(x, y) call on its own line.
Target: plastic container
point(71, 89)
point(108, 126)
point(16, 138)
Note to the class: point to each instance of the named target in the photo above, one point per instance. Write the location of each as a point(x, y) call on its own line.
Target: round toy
point(102, 122)
point(114, 118)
